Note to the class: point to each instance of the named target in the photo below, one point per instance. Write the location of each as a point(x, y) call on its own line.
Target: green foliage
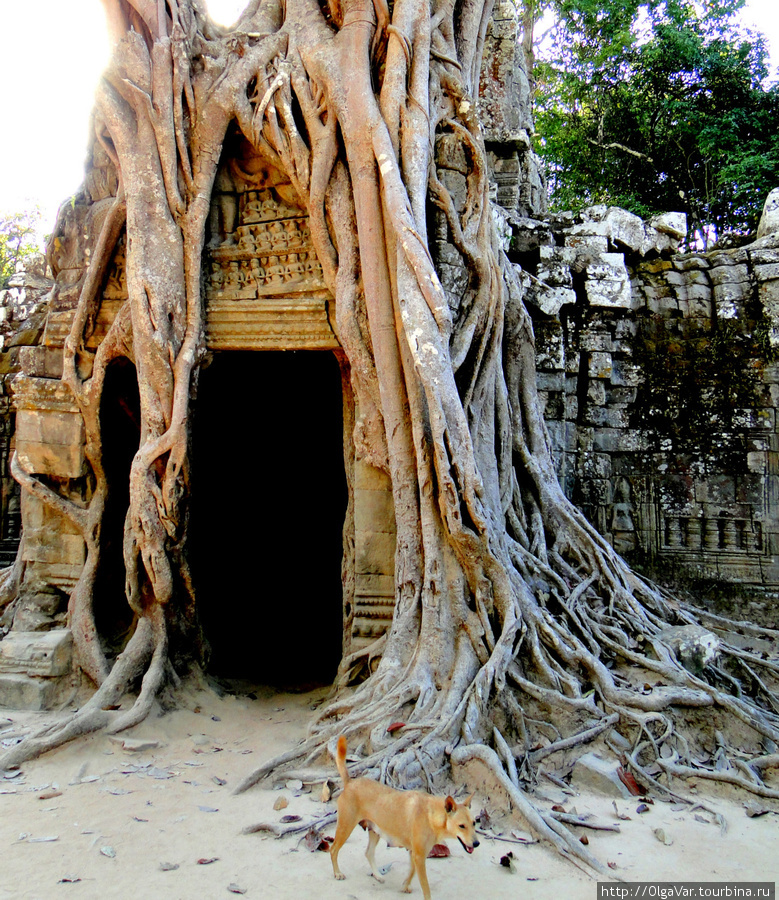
point(659, 106)
point(18, 240)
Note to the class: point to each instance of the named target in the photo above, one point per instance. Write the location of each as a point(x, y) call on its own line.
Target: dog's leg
point(344, 828)
point(406, 889)
point(418, 860)
point(370, 853)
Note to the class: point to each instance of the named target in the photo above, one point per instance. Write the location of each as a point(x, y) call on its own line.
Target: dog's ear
point(467, 801)
point(450, 805)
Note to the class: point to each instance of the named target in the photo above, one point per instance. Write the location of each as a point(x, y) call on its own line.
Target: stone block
point(596, 340)
point(673, 224)
point(767, 272)
point(52, 542)
point(51, 443)
point(593, 773)
point(600, 365)
point(453, 278)
point(729, 275)
point(24, 692)
point(450, 153)
point(549, 299)
point(596, 393)
point(606, 440)
point(374, 552)
point(369, 477)
point(603, 416)
point(49, 428)
point(768, 294)
point(456, 184)
point(693, 646)
point(47, 653)
point(448, 253)
point(655, 265)
point(631, 440)
point(44, 362)
point(734, 257)
point(592, 243)
point(757, 462)
point(550, 381)
point(550, 348)
point(763, 256)
point(625, 228)
point(368, 584)
point(594, 465)
point(621, 396)
point(374, 511)
point(690, 263)
point(769, 220)
point(554, 268)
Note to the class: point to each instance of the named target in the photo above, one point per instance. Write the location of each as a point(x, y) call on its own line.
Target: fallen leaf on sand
point(439, 851)
point(618, 814)
point(234, 889)
point(312, 838)
point(629, 781)
point(108, 851)
point(69, 879)
point(206, 861)
point(281, 803)
point(662, 837)
point(584, 840)
point(49, 795)
point(396, 726)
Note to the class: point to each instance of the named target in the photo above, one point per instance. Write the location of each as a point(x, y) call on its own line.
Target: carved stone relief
point(268, 253)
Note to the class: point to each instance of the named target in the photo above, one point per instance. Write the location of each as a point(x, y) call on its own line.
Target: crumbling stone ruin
point(657, 370)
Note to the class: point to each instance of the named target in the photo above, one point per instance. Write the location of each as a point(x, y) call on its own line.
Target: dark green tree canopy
point(656, 107)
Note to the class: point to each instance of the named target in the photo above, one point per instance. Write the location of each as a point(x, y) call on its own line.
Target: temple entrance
point(268, 504)
point(120, 421)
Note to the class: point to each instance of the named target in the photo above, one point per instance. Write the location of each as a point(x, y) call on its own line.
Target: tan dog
point(407, 819)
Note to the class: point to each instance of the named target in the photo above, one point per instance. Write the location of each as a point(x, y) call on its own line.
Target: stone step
point(34, 694)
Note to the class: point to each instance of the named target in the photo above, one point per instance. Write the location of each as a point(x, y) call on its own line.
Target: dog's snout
point(475, 843)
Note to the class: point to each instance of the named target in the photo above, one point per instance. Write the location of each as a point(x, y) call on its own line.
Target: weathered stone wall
point(506, 114)
point(660, 383)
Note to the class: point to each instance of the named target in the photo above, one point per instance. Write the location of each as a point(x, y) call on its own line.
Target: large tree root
point(145, 653)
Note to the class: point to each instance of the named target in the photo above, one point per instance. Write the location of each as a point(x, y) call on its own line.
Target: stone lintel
point(271, 323)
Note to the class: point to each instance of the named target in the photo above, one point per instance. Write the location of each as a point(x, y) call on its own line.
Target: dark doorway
point(268, 505)
point(120, 417)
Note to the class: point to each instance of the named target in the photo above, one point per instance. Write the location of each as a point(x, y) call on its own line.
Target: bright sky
point(53, 54)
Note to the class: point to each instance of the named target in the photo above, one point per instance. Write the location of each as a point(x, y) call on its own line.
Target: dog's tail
point(340, 760)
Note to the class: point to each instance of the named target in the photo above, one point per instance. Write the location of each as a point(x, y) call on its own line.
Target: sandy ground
point(94, 820)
